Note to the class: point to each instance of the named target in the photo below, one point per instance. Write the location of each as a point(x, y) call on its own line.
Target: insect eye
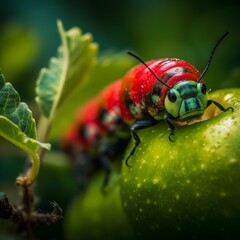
point(203, 89)
point(172, 96)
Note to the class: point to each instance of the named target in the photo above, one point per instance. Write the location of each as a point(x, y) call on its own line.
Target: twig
point(26, 217)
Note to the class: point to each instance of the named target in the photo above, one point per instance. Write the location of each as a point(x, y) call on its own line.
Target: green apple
point(95, 215)
point(190, 188)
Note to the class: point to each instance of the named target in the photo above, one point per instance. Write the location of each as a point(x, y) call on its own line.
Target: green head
point(186, 99)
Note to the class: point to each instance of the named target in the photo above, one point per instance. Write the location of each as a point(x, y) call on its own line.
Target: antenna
point(153, 73)
point(211, 56)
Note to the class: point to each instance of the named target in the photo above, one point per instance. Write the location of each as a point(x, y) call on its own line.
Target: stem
point(43, 130)
point(25, 217)
point(32, 172)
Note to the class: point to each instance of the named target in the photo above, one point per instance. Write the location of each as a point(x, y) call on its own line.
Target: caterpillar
point(167, 89)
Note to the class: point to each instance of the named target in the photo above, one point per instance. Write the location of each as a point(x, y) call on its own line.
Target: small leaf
point(75, 58)
point(12, 133)
point(18, 126)
point(14, 110)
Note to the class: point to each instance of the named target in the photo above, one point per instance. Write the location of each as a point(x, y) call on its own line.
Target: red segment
point(110, 96)
point(133, 84)
point(70, 137)
point(86, 118)
point(126, 88)
point(137, 83)
point(124, 111)
point(160, 68)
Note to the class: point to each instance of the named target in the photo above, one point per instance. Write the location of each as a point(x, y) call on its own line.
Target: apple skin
point(94, 215)
point(190, 188)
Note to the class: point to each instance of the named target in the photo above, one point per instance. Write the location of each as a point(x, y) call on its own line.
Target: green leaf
point(18, 126)
point(17, 112)
point(13, 134)
point(75, 58)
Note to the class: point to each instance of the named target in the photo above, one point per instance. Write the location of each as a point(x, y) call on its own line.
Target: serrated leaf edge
point(33, 171)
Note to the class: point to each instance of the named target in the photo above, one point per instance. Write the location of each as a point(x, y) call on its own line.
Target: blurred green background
point(154, 29)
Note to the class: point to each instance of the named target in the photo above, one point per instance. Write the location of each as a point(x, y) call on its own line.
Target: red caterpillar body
point(138, 95)
point(169, 89)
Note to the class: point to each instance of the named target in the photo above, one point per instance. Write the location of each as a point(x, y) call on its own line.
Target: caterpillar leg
point(170, 124)
point(141, 124)
point(107, 168)
point(83, 169)
point(221, 107)
point(109, 150)
point(84, 165)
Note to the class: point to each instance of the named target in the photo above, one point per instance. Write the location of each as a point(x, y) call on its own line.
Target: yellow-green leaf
point(14, 110)
point(18, 126)
point(75, 58)
point(13, 134)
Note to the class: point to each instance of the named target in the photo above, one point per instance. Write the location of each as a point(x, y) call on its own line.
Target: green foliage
point(18, 126)
point(19, 48)
point(187, 189)
point(75, 58)
point(17, 123)
point(17, 112)
point(12, 133)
